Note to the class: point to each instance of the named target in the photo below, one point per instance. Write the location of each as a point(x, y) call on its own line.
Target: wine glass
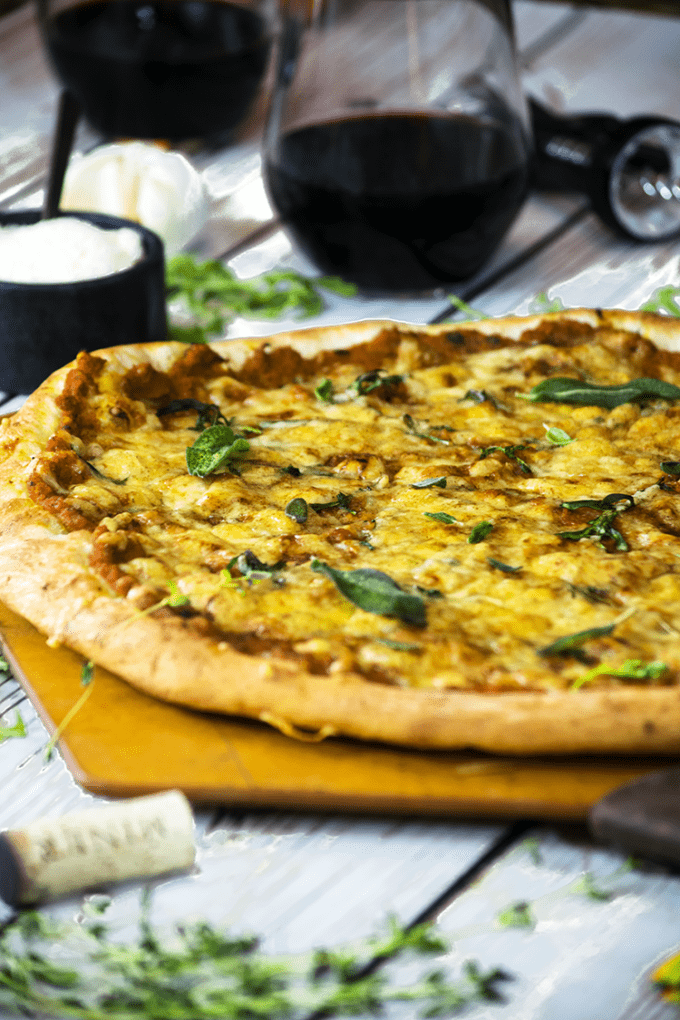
point(160, 69)
point(397, 142)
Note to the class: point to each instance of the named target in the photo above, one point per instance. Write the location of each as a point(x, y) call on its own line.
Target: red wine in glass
point(399, 201)
point(172, 69)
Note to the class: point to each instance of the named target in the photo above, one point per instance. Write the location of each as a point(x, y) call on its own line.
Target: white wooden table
point(303, 880)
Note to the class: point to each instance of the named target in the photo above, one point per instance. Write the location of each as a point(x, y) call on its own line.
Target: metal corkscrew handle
point(630, 169)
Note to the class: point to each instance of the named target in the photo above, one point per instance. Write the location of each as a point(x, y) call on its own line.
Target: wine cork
point(129, 839)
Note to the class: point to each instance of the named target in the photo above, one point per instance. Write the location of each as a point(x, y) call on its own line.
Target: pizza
point(443, 537)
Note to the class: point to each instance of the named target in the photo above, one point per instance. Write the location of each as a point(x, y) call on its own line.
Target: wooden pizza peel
point(124, 743)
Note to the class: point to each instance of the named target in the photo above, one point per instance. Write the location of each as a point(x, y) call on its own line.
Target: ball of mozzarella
point(136, 180)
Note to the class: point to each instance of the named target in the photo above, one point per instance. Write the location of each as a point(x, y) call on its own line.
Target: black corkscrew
point(630, 169)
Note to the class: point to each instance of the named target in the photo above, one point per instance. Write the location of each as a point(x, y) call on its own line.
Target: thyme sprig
point(15, 729)
point(197, 971)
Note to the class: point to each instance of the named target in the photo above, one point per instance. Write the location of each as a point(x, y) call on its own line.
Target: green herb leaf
point(212, 296)
point(670, 467)
point(442, 517)
point(544, 305)
point(602, 527)
point(416, 431)
point(663, 300)
point(480, 532)
point(571, 643)
point(561, 390)
point(217, 447)
point(297, 510)
point(510, 452)
point(375, 592)
point(632, 669)
point(587, 886)
point(516, 916)
point(468, 311)
point(324, 391)
point(341, 501)
point(497, 565)
point(430, 483)
point(16, 729)
point(557, 436)
point(376, 379)
point(208, 414)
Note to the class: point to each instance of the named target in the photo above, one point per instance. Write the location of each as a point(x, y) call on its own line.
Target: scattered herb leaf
point(571, 644)
point(504, 567)
point(510, 452)
point(429, 483)
point(480, 532)
point(217, 447)
point(342, 501)
point(663, 300)
point(15, 729)
point(632, 669)
point(375, 592)
point(466, 309)
point(544, 305)
point(416, 431)
point(587, 886)
point(557, 436)
point(442, 517)
point(516, 916)
point(105, 478)
point(561, 390)
point(376, 379)
point(601, 527)
point(399, 646)
point(670, 467)
point(297, 510)
point(324, 391)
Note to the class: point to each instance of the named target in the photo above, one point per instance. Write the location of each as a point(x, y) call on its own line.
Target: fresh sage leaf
point(429, 483)
point(480, 532)
point(606, 503)
point(369, 381)
point(511, 453)
point(375, 592)
point(410, 424)
point(557, 436)
point(297, 510)
point(324, 391)
point(670, 467)
point(561, 390)
point(342, 501)
point(601, 527)
point(503, 567)
point(217, 447)
point(572, 643)
point(208, 414)
point(442, 517)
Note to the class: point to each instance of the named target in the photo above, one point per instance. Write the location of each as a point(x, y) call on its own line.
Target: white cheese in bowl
point(65, 250)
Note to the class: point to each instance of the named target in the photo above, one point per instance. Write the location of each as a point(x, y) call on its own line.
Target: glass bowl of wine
point(397, 142)
point(160, 69)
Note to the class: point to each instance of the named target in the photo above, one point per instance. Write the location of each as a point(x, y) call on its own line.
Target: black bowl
point(45, 325)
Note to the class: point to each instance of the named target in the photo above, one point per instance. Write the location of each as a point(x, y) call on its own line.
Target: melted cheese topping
point(493, 605)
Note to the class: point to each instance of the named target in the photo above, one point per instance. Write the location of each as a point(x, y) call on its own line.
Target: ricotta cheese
point(65, 250)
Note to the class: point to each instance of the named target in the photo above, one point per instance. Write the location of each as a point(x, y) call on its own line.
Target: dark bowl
point(45, 325)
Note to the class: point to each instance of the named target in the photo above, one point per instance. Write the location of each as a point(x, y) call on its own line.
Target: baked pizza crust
point(44, 577)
